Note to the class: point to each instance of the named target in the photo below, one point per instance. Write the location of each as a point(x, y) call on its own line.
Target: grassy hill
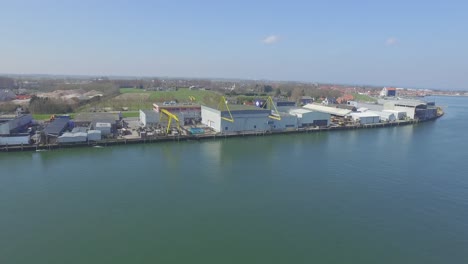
point(363, 98)
point(135, 99)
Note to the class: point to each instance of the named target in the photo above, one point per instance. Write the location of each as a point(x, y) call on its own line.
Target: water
point(391, 195)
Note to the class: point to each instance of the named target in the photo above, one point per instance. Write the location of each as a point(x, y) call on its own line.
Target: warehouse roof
point(373, 107)
point(407, 103)
point(57, 126)
point(79, 129)
point(365, 114)
point(300, 111)
point(327, 109)
point(235, 107)
point(77, 134)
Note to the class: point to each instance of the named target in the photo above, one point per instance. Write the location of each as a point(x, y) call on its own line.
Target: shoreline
point(113, 142)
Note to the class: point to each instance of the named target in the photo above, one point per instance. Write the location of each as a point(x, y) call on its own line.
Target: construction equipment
point(191, 98)
point(269, 104)
point(223, 101)
point(170, 117)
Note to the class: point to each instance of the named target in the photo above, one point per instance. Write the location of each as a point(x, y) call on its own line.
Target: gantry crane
point(269, 104)
point(170, 117)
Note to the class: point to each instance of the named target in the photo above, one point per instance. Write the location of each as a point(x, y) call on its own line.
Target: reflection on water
point(391, 195)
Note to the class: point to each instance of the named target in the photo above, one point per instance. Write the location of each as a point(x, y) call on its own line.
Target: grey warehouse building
point(245, 119)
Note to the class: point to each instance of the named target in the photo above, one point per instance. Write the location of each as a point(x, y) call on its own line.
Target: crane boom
point(170, 116)
point(224, 102)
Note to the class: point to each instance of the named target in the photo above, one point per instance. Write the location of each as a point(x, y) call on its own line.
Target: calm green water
point(394, 195)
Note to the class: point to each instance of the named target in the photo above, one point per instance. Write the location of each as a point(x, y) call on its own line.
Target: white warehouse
point(245, 119)
point(149, 118)
point(365, 118)
point(400, 115)
point(310, 118)
point(384, 116)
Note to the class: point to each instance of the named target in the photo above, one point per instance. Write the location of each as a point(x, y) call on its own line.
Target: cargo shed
point(308, 118)
point(365, 118)
point(245, 119)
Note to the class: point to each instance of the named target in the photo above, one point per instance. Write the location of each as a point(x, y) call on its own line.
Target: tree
point(277, 92)
point(267, 88)
point(297, 93)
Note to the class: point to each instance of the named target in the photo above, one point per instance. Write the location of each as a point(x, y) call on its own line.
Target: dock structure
point(200, 137)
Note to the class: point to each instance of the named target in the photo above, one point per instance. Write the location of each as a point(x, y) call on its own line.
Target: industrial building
point(94, 135)
point(90, 119)
point(414, 109)
point(149, 118)
point(308, 118)
point(384, 116)
point(329, 110)
point(186, 113)
point(365, 118)
point(286, 122)
point(57, 126)
point(105, 128)
point(306, 100)
point(281, 106)
point(388, 92)
point(14, 140)
point(284, 106)
point(400, 115)
point(10, 126)
point(239, 119)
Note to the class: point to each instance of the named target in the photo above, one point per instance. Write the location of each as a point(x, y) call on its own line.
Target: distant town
point(48, 111)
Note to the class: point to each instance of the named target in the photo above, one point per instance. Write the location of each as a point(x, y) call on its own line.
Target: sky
point(412, 44)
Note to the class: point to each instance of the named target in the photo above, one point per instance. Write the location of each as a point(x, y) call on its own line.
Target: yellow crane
point(170, 117)
point(269, 104)
point(222, 102)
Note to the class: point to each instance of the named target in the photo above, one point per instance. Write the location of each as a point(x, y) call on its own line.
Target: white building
point(400, 115)
point(365, 118)
point(384, 116)
point(246, 119)
point(105, 128)
point(149, 118)
point(94, 135)
point(310, 118)
point(414, 109)
point(186, 113)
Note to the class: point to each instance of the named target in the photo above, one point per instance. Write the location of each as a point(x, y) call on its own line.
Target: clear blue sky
point(402, 43)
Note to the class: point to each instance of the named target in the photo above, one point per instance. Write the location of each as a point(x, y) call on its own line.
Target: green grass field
point(181, 95)
point(42, 117)
point(131, 114)
point(135, 99)
point(363, 98)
